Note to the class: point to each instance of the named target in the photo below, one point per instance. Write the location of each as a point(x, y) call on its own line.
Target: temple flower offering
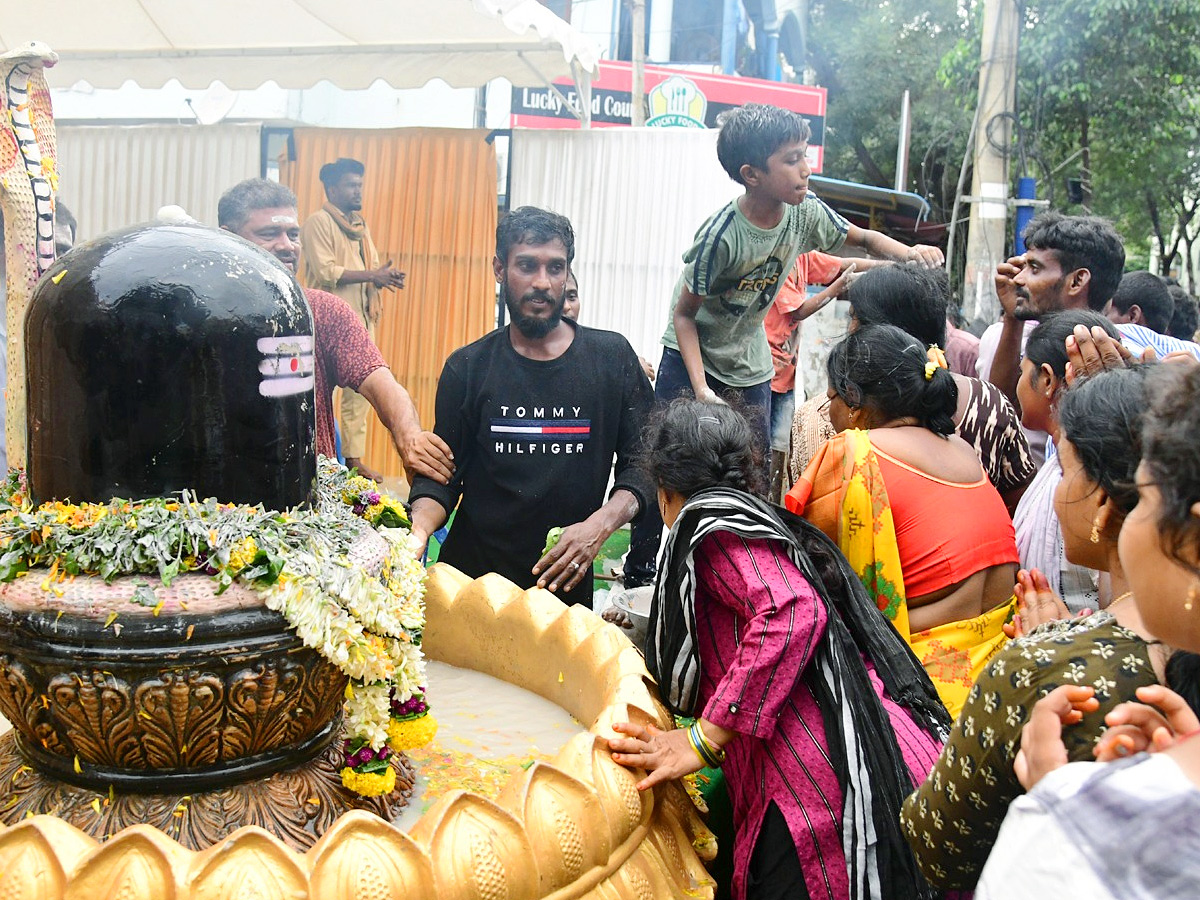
point(366, 621)
point(368, 771)
point(411, 726)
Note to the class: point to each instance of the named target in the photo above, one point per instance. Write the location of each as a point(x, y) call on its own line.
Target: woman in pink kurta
point(762, 632)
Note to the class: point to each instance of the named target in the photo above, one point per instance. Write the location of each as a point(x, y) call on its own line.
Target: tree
point(1113, 83)
point(866, 53)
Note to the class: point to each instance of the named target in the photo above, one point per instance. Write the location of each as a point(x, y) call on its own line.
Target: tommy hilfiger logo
point(528, 431)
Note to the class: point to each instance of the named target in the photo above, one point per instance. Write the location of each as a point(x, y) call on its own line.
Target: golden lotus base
point(574, 827)
point(296, 805)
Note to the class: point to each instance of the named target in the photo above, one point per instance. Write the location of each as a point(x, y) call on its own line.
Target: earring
point(1094, 537)
point(1193, 595)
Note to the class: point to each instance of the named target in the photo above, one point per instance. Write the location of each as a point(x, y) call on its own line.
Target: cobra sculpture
point(28, 184)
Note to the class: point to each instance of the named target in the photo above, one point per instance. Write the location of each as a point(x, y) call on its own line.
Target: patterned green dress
point(952, 820)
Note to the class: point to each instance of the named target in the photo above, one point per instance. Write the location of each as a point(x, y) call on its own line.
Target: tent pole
point(583, 85)
point(584, 115)
point(637, 113)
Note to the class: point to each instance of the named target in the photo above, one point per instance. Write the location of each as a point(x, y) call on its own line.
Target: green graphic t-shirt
point(738, 268)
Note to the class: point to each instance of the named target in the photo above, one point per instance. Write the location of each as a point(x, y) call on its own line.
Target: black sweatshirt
point(534, 443)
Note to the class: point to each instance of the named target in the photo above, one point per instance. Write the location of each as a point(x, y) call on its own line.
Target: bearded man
point(1070, 262)
point(538, 414)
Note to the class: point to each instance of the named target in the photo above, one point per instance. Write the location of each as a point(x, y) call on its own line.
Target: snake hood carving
point(28, 185)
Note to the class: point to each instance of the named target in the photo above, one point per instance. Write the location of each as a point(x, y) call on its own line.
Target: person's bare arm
point(688, 339)
point(386, 276)
point(850, 268)
point(317, 244)
point(427, 517)
point(570, 560)
point(888, 248)
point(423, 452)
point(1006, 364)
point(836, 288)
point(862, 264)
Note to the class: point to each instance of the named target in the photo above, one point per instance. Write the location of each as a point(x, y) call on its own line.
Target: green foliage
point(1116, 79)
point(867, 53)
point(166, 536)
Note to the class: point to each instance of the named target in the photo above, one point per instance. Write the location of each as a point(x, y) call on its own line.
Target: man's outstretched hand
point(427, 454)
point(569, 561)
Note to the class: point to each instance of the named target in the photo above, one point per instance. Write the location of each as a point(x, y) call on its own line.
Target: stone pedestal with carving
point(136, 703)
point(573, 828)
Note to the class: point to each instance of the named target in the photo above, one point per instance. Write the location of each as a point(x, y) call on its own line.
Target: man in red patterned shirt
point(264, 213)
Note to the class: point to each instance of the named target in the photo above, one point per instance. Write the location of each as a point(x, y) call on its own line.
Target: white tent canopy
point(296, 43)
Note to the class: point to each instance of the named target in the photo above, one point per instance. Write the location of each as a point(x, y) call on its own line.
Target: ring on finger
point(574, 566)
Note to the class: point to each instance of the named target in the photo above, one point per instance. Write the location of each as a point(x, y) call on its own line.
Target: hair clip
point(937, 360)
point(712, 419)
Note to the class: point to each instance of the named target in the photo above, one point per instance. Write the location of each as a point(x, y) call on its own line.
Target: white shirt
point(1100, 831)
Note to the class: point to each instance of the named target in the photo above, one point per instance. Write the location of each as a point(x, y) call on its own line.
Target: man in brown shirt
point(340, 257)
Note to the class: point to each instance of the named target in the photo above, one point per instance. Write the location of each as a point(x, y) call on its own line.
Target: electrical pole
point(987, 232)
point(637, 93)
point(904, 142)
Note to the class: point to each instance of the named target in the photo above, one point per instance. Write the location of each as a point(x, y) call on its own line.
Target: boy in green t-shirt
point(715, 346)
point(715, 340)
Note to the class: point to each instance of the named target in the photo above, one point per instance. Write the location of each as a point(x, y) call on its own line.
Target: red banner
point(675, 98)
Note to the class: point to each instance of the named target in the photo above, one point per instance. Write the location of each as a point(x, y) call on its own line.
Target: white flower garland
point(367, 628)
point(300, 561)
point(368, 712)
point(367, 625)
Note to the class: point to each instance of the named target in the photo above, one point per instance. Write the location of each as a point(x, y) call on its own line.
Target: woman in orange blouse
point(910, 506)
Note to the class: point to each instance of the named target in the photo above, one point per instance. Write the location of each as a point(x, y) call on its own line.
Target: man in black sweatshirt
point(535, 414)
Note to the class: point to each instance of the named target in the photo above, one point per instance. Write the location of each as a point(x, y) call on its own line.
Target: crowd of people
point(937, 623)
point(999, 565)
point(906, 616)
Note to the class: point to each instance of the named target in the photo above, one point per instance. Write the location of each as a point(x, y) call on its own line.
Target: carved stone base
point(296, 805)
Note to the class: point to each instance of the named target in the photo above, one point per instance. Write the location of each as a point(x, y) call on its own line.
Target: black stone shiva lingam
point(164, 359)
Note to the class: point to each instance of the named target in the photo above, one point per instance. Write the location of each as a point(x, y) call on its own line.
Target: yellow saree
point(842, 493)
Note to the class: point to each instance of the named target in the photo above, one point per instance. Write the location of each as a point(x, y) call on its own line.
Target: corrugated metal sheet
point(111, 176)
point(636, 198)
